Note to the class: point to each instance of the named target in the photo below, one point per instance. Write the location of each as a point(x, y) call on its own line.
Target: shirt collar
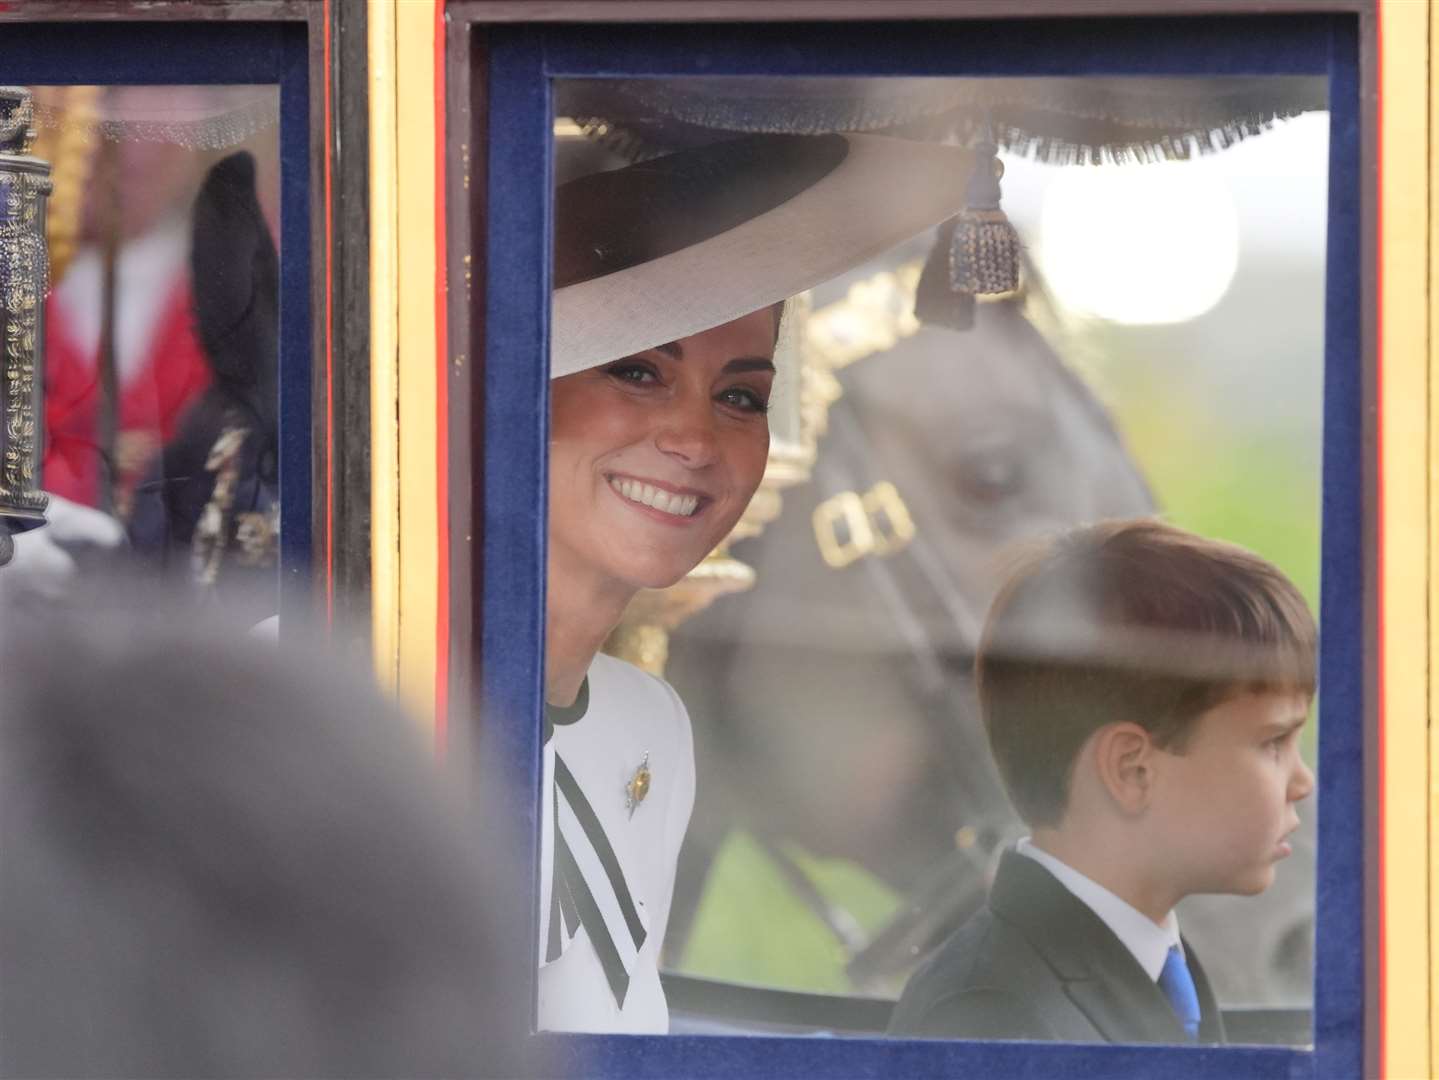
point(564, 715)
point(1147, 941)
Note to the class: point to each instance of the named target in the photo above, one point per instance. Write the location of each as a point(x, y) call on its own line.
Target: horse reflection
point(832, 705)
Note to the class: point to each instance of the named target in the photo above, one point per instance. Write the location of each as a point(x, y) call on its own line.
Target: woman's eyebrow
point(749, 363)
point(675, 351)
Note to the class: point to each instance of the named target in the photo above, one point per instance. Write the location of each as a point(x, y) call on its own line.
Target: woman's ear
point(1124, 760)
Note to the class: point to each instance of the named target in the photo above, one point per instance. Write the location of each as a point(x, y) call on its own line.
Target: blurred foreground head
point(221, 860)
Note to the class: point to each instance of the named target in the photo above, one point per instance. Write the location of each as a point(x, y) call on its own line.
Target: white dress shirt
point(1148, 941)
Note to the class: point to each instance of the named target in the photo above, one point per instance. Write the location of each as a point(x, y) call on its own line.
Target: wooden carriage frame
point(393, 386)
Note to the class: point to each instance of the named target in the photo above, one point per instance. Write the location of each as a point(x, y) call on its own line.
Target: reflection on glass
point(1162, 354)
point(1115, 248)
point(160, 356)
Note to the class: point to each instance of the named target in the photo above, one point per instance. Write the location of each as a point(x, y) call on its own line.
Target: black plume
point(236, 277)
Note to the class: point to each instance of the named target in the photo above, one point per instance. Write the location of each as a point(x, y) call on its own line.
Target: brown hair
point(1135, 621)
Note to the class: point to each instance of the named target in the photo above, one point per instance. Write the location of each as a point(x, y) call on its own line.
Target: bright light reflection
point(1139, 244)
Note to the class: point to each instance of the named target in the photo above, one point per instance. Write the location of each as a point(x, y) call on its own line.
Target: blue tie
point(1178, 987)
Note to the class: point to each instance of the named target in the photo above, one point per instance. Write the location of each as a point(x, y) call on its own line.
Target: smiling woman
point(652, 460)
point(671, 439)
point(671, 278)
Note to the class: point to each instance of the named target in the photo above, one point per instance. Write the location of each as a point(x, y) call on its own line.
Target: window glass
point(1158, 352)
point(158, 339)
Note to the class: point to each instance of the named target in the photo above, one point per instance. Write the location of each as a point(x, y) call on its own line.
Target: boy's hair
point(1128, 621)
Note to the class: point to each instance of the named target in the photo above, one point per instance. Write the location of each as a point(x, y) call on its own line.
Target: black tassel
point(935, 301)
point(975, 254)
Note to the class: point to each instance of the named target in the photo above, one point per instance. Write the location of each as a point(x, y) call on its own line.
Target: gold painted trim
point(418, 390)
point(384, 349)
point(1397, 27)
point(1404, 330)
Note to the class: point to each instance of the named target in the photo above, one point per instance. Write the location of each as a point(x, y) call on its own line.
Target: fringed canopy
point(1054, 120)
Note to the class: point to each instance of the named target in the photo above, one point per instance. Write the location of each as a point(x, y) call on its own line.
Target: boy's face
point(1224, 804)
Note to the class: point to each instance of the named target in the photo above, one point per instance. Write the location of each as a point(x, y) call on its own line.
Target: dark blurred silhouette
point(209, 508)
point(218, 860)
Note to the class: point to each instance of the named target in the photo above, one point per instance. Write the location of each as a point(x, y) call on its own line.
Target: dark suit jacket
point(1037, 963)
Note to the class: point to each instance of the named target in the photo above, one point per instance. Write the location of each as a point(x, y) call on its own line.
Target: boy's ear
point(1123, 757)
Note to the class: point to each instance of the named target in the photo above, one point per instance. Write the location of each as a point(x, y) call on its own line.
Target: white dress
point(629, 715)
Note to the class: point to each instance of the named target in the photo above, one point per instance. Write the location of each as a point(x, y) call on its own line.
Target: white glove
point(42, 569)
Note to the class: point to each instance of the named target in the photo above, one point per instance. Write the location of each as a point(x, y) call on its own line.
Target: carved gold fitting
point(24, 265)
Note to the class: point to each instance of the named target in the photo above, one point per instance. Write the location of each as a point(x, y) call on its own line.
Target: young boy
point(1143, 690)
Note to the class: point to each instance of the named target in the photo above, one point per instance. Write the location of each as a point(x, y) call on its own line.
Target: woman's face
point(653, 458)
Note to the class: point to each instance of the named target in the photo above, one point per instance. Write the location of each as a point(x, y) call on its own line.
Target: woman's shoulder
point(612, 678)
point(615, 680)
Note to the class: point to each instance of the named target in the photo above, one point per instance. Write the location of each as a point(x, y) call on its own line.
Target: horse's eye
point(990, 475)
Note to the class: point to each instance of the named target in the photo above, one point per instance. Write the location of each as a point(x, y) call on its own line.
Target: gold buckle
point(875, 523)
point(886, 508)
point(837, 551)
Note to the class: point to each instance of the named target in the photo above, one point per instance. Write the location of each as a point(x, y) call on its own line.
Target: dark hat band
point(614, 220)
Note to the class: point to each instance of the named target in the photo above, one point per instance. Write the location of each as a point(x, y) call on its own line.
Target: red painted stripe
point(442, 399)
point(1381, 862)
point(329, 323)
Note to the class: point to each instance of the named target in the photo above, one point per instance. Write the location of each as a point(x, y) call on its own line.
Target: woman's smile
point(672, 506)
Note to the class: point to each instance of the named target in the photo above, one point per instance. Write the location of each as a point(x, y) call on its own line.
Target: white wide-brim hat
point(664, 249)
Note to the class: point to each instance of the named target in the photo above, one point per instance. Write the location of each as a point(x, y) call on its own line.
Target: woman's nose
point(687, 433)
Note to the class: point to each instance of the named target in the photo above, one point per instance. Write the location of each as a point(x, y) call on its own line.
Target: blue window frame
point(218, 53)
point(519, 63)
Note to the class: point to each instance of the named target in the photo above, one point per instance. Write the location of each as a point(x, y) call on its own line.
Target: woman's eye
point(632, 373)
point(738, 397)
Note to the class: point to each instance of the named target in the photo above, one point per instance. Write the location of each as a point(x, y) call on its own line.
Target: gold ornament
point(639, 785)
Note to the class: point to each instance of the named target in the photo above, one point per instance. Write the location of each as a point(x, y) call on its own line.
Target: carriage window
point(153, 331)
point(975, 316)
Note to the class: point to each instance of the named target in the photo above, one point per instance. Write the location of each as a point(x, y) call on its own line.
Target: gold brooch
point(639, 785)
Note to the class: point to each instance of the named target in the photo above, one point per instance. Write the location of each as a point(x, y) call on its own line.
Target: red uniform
point(160, 368)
